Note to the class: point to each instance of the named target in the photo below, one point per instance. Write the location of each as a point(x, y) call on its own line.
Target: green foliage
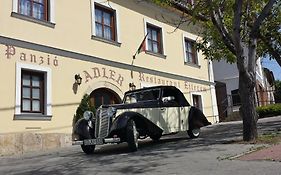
point(277, 93)
point(213, 45)
point(269, 110)
point(84, 105)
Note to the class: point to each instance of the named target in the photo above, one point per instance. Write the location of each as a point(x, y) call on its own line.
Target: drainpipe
point(213, 92)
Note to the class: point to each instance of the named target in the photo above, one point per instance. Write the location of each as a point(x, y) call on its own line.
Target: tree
point(85, 105)
point(277, 93)
point(239, 31)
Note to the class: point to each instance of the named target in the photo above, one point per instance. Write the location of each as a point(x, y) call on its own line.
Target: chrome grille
point(102, 123)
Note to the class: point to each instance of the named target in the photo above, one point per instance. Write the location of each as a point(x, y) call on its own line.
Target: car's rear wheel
point(155, 138)
point(132, 136)
point(194, 132)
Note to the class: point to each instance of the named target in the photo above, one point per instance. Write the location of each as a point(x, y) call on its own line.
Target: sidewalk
point(270, 153)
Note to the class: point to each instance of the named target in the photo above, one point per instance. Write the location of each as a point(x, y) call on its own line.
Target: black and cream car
point(153, 112)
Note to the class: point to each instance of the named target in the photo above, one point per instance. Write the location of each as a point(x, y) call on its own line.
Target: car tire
point(132, 136)
point(193, 133)
point(155, 138)
point(88, 149)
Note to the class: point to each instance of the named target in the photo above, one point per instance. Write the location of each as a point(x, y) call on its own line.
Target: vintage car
point(152, 111)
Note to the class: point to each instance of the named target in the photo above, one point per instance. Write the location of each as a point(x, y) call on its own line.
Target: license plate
point(98, 141)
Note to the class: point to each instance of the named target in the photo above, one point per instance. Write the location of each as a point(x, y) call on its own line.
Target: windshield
point(141, 96)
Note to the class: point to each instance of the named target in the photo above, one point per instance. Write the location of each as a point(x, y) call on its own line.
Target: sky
point(273, 66)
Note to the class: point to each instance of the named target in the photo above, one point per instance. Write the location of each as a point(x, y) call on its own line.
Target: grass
point(263, 141)
point(270, 138)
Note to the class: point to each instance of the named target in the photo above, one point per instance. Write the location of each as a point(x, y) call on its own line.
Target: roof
point(149, 88)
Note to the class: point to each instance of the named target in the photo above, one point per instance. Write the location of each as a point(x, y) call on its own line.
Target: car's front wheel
point(132, 136)
point(194, 132)
point(88, 149)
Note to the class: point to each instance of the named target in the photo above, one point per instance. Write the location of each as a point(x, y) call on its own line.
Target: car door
point(170, 111)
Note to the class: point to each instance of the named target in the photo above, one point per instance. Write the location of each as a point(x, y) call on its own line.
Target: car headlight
point(111, 111)
point(88, 115)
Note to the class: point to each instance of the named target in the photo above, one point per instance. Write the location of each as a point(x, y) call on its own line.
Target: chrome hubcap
point(196, 132)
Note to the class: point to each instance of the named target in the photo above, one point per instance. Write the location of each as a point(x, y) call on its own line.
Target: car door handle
point(162, 109)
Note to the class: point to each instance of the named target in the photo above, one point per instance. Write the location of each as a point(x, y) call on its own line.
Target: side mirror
point(168, 99)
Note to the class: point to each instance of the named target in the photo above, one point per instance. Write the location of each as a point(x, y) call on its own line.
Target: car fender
point(196, 118)
point(120, 122)
point(83, 130)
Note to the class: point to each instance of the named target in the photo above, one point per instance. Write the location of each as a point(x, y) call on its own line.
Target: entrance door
point(104, 96)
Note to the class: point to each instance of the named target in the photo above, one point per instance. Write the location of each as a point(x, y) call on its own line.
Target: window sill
point(192, 65)
point(156, 54)
point(34, 20)
point(115, 43)
point(32, 116)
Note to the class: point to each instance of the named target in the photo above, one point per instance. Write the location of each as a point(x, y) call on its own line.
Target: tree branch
point(264, 13)
point(237, 24)
point(182, 7)
point(223, 32)
point(275, 54)
point(237, 8)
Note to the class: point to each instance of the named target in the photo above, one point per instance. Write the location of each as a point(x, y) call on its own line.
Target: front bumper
point(98, 141)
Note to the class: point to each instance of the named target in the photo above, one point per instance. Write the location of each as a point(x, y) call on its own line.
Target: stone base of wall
point(20, 143)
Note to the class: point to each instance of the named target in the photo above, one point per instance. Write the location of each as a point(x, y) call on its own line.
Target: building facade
point(227, 87)
point(47, 45)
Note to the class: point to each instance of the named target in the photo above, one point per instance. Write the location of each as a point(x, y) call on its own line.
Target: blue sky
point(273, 66)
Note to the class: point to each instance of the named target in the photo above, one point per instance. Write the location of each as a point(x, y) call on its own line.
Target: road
point(212, 154)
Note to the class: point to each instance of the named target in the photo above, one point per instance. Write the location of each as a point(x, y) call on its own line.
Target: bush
point(269, 110)
point(85, 105)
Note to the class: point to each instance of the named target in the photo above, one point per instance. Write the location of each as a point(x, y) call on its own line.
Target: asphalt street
point(213, 153)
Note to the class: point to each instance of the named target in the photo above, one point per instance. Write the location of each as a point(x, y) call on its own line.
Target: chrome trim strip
point(77, 142)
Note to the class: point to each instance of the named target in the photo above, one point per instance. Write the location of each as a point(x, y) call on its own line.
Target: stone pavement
point(270, 153)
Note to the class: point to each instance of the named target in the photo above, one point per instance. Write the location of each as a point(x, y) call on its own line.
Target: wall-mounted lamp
point(132, 86)
point(78, 79)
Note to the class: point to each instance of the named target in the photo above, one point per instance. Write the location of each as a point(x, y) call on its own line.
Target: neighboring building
point(227, 83)
point(46, 45)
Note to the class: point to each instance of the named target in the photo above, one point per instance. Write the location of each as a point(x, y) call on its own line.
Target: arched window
point(104, 96)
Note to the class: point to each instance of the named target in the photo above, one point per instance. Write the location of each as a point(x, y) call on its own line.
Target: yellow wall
point(72, 33)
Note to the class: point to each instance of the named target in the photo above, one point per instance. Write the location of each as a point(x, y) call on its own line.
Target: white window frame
point(199, 94)
point(191, 38)
point(159, 25)
point(111, 6)
point(51, 10)
point(47, 89)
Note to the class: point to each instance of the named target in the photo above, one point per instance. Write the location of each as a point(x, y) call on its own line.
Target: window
point(197, 101)
point(33, 92)
point(142, 96)
point(190, 51)
point(235, 97)
point(34, 8)
point(32, 88)
point(177, 98)
point(36, 11)
point(154, 39)
point(105, 23)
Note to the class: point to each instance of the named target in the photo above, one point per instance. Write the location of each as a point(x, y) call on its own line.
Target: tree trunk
point(248, 107)
point(246, 64)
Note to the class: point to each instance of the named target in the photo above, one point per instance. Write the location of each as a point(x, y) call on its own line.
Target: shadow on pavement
point(148, 158)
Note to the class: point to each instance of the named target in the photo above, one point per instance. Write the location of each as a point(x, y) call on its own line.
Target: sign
point(12, 52)
point(108, 74)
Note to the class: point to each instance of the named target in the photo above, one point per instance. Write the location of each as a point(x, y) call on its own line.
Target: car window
point(177, 97)
point(147, 95)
